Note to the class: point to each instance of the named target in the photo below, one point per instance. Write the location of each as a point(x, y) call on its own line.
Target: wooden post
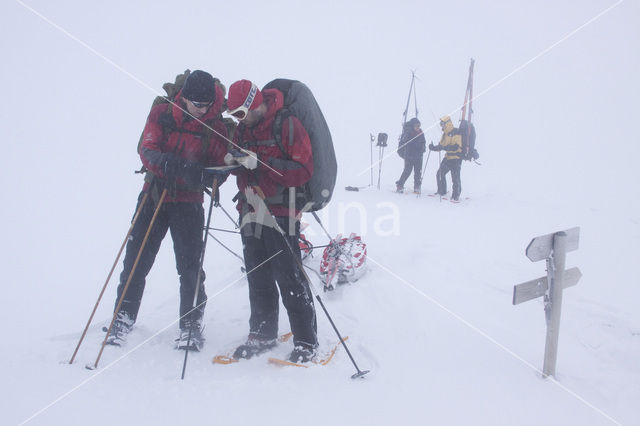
point(553, 248)
point(553, 304)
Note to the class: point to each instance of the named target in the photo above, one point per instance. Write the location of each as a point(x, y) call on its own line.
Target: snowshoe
point(302, 354)
point(193, 342)
point(120, 329)
point(399, 189)
point(417, 190)
point(343, 260)
point(252, 347)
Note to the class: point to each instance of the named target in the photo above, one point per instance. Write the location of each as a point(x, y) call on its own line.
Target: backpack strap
point(283, 114)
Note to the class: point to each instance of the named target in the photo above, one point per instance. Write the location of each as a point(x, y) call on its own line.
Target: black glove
point(170, 165)
point(175, 166)
point(192, 173)
point(431, 147)
point(220, 175)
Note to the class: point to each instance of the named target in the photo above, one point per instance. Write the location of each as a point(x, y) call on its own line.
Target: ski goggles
point(200, 105)
point(241, 112)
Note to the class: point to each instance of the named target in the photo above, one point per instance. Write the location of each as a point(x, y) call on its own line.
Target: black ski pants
point(261, 243)
point(412, 164)
point(186, 223)
point(441, 177)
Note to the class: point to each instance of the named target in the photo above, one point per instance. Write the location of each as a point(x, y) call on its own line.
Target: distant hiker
point(411, 147)
point(451, 142)
point(282, 167)
point(175, 148)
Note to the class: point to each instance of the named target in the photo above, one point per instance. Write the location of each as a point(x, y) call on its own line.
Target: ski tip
point(360, 374)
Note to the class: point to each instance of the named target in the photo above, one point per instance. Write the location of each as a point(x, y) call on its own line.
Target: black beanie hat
point(199, 87)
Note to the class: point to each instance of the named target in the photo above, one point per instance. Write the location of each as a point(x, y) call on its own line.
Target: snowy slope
point(432, 318)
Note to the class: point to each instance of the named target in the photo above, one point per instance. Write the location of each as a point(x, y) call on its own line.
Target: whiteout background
point(558, 149)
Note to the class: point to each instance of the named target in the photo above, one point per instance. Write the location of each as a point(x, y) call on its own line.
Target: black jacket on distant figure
point(413, 145)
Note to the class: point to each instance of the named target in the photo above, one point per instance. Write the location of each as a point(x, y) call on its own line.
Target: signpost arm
point(553, 306)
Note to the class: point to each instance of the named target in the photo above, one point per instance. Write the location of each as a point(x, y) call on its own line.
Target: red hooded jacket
point(277, 170)
point(169, 129)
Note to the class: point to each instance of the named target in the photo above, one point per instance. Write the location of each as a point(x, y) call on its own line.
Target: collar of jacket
point(274, 99)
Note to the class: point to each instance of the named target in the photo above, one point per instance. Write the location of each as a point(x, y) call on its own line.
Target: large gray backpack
point(300, 102)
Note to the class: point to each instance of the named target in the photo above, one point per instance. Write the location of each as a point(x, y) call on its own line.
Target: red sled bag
point(343, 260)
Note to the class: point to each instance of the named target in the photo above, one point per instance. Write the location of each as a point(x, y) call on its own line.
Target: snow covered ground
point(432, 318)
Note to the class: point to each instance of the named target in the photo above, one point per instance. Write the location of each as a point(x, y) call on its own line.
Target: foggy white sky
point(562, 127)
point(71, 120)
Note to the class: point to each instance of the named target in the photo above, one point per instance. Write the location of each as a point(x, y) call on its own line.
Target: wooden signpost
point(552, 248)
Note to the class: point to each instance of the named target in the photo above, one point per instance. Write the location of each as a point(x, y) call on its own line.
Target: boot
point(193, 342)
point(252, 347)
point(121, 328)
point(302, 354)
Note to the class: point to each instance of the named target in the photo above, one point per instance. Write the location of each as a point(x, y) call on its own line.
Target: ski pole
point(335, 244)
point(440, 165)
point(371, 152)
point(259, 200)
point(229, 216)
point(315, 215)
point(382, 143)
point(228, 249)
point(113, 267)
point(425, 165)
point(214, 188)
point(380, 156)
point(224, 230)
point(217, 204)
point(126, 286)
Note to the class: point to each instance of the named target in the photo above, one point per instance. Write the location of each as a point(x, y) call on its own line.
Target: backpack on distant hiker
point(300, 102)
point(402, 144)
point(468, 132)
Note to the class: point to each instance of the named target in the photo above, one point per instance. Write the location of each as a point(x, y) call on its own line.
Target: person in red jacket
point(178, 141)
point(275, 152)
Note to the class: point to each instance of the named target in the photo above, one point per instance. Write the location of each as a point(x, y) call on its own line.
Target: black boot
point(120, 329)
point(252, 347)
point(302, 354)
point(193, 342)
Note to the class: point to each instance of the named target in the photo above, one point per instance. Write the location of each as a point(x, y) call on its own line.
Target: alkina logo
point(251, 96)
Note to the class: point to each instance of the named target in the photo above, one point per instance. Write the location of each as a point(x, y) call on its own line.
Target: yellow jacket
point(451, 142)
